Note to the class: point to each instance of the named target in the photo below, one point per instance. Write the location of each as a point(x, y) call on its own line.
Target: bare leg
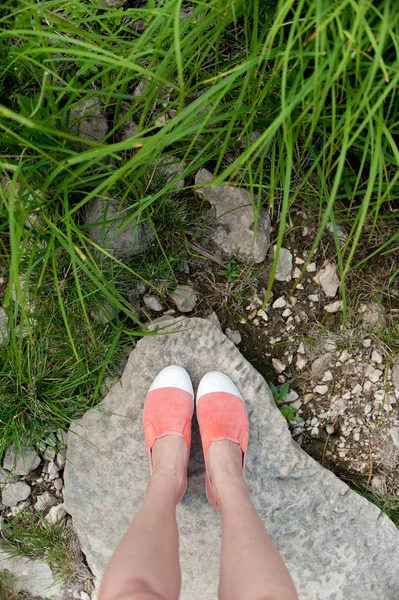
point(145, 565)
point(250, 567)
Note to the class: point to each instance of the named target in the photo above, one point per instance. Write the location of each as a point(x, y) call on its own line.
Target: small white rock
point(299, 261)
point(279, 303)
point(311, 268)
point(297, 273)
point(330, 428)
point(233, 335)
point(291, 397)
point(321, 389)
point(367, 386)
point(287, 313)
point(328, 376)
point(367, 343)
point(301, 363)
point(357, 389)
point(55, 514)
point(334, 307)
point(278, 365)
point(376, 357)
point(261, 313)
point(375, 375)
point(313, 297)
point(343, 357)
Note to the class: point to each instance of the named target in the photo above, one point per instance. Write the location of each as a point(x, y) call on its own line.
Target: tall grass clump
point(296, 101)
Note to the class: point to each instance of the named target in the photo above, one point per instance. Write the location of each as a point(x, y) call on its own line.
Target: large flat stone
point(336, 544)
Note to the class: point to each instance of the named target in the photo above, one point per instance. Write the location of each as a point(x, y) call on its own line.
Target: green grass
point(318, 80)
point(30, 535)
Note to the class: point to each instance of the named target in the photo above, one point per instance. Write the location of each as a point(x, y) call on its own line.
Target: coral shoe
point(168, 407)
point(221, 415)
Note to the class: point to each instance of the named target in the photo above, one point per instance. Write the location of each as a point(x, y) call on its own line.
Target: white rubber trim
point(215, 381)
point(173, 376)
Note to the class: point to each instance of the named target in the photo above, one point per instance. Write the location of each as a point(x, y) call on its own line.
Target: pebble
point(287, 313)
point(330, 428)
point(261, 313)
point(321, 389)
point(60, 461)
point(55, 514)
point(367, 343)
point(328, 376)
point(367, 409)
point(313, 297)
point(311, 268)
point(291, 397)
point(279, 303)
point(328, 280)
point(185, 298)
point(301, 363)
point(299, 261)
point(278, 365)
point(233, 335)
point(49, 453)
point(330, 345)
point(375, 375)
point(343, 357)
point(308, 398)
point(21, 462)
point(376, 357)
point(153, 303)
point(301, 348)
point(334, 307)
point(367, 386)
point(297, 273)
point(45, 501)
point(296, 404)
point(284, 264)
point(14, 493)
point(357, 389)
point(52, 471)
point(58, 484)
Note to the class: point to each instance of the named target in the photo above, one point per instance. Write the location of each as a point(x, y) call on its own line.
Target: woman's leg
point(145, 565)
point(250, 567)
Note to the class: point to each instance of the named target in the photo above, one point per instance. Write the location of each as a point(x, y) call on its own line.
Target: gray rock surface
point(233, 335)
point(374, 317)
point(113, 229)
point(21, 461)
point(45, 501)
point(184, 297)
point(87, 120)
point(284, 264)
point(153, 303)
point(3, 324)
point(14, 493)
point(235, 226)
point(327, 278)
point(336, 544)
point(395, 375)
point(33, 576)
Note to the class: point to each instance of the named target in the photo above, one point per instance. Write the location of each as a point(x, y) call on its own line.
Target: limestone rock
point(185, 298)
point(334, 307)
point(213, 318)
point(171, 169)
point(55, 514)
point(284, 264)
point(395, 375)
point(87, 120)
point(335, 543)
point(3, 324)
point(374, 317)
point(328, 280)
point(21, 461)
point(14, 493)
point(321, 364)
point(153, 303)
point(111, 227)
point(233, 335)
point(45, 501)
point(33, 576)
point(235, 226)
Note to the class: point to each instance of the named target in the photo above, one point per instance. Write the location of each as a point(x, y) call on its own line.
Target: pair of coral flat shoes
point(221, 412)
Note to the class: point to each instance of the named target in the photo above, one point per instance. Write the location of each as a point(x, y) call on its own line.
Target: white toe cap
point(173, 376)
point(216, 382)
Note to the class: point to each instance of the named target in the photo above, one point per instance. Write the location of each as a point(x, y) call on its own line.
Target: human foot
point(167, 415)
point(224, 428)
